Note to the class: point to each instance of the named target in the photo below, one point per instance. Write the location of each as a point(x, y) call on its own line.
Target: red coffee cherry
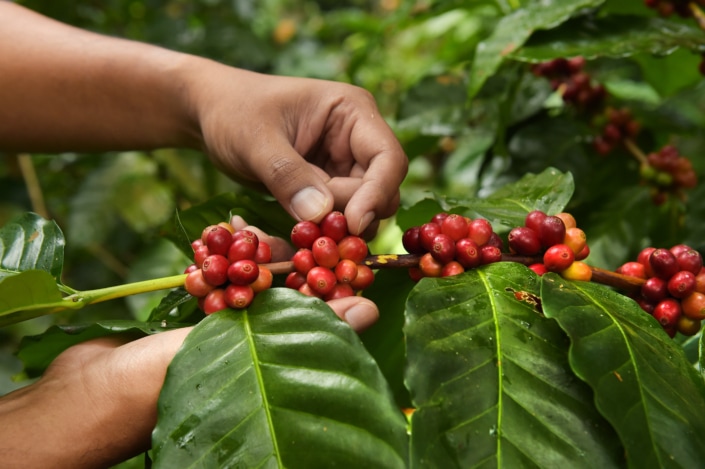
point(306, 289)
point(241, 234)
point(480, 231)
point(552, 232)
point(558, 257)
point(689, 260)
point(524, 241)
point(263, 255)
point(346, 271)
point(679, 248)
point(455, 226)
point(218, 240)
point(438, 218)
point(427, 232)
point(452, 268)
point(654, 289)
point(632, 269)
point(467, 252)
point(538, 268)
point(243, 272)
point(190, 268)
point(304, 233)
point(645, 304)
point(534, 219)
point(663, 263)
point(303, 261)
point(200, 254)
point(242, 248)
point(353, 248)
point(643, 258)
point(583, 254)
point(294, 280)
point(681, 284)
point(238, 296)
point(443, 249)
point(321, 280)
point(364, 279)
point(214, 301)
point(667, 312)
point(195, 284)
point(490, 254)
point(340, 290)
point(334, 225)
point(496, 241)
point(215, 269)
point(325, 252)
point(411, 241)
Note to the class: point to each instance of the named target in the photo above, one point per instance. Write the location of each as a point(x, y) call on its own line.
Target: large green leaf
point(38, 351)
point(610, 36)
point(490, 378)
point(642, 381)
point(28, 295)
point(514, 29)
point(30, 242)
point(285, 383)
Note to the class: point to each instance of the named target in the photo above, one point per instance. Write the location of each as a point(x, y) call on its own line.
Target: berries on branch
point(667, 172)
point(572, 82)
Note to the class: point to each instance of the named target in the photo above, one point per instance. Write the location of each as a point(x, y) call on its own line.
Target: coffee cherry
point(667, 312)
point(694, 306)
point(238, 296)
point(480, 231)
point(200, 254)
point(490, 254)
point(218, 240)
point(558, 257)
point(196, 243)
point(294, 280)
point(215, 269)
point(195, 284)
point(538, 268)
point(524, 241)
point(306, 289)
point(415, 274)
point(534, 219)
point(346, 271)
point(552, 232)
point(467, 252)
point(264, 280)
point(452, 268)
point(688, 326)
point(227, 226)
point(340, 290)
point(427, 232)
point(246, 234)
point(645, 304)
point(214, 301)
point(243, 272)
point(321, 279)
point(495, 241)
point(190, 268)
point(304, 233)
point(455, 226)
point(632, 269)
point(575, 239)
point(353, 248)
point(303, 260)
point(443, 249)
point(689, 260)
point(412, 242)
point(577, 271)
point(700, 282)
point(364, 279)
point(430, 266)
point(654, 289)
point(681, 284)
point(263, 255)
point(663, 263)
point(325, 252)
point(568, 220)
point(583, 254)
point(643, 258)
point(334, 226)
point(242, 248)
point(679, 248)
point(438, 218)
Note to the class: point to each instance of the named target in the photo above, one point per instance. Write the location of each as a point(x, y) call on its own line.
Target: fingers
point(281, 249)
point(357, 311)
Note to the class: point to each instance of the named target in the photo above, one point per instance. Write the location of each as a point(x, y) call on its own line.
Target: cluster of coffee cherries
point(451, 243)
point(674, 286)
point(561, 245)
point(617, 125)
point(667, 8)
point(226, 272)
point(668, 172)
point(329, 262)
point(569, 78)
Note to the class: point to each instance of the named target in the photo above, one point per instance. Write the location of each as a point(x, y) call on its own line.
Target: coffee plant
point(541, 288)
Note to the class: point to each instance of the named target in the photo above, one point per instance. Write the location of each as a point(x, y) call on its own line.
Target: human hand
point(316, 145)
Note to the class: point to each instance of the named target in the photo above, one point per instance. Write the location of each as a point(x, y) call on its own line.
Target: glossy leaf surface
point(282, 384)
point(642, 381)
point(30, 242)
point(489, 377)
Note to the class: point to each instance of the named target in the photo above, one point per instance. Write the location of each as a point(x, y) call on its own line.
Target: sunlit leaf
point(30, 242)
point(282, 384)
point(642, 381)
point(490, 379)
point(28, 295)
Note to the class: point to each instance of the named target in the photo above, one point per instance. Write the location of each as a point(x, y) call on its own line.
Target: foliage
point(504, 368)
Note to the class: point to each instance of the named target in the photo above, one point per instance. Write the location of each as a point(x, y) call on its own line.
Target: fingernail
point(238, 222)
point(365, 221)
point(308, 203)
point(360, 316)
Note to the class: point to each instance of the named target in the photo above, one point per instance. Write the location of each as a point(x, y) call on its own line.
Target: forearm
point(63, 88)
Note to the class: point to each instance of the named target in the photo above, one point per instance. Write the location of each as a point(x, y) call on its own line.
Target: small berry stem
point(121, 291)
point(698, 14)
point(636, 151)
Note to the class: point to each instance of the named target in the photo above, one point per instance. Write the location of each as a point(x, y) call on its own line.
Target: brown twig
point(637, 152)
point(34, 189)
point(405, 261)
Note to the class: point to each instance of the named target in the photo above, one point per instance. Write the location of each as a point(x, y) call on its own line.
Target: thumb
point(296, 184)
